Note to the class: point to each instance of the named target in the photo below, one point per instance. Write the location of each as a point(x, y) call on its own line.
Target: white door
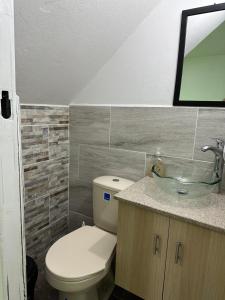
point(12, 279)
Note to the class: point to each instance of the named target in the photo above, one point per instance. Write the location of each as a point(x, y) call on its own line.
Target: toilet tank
point(105, 207)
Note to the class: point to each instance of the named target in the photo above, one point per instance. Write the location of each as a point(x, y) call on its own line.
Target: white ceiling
point(61, 44)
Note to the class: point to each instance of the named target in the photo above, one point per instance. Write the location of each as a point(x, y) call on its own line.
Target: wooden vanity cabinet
point(195, 266)
point(162, 258)
point(141, 251)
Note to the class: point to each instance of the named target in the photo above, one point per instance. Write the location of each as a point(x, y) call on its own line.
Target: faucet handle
point(220, 143)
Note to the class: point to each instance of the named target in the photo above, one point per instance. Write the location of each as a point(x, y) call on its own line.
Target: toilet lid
point(81, 254)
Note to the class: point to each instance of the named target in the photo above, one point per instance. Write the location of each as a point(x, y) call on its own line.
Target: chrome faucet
point(219, 160)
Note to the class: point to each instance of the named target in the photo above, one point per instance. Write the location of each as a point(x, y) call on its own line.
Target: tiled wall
point(45, 153)
point(104, 140)
point(121, 140)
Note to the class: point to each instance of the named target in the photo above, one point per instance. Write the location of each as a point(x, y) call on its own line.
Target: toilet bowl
point(79, 262)
point(76, 263)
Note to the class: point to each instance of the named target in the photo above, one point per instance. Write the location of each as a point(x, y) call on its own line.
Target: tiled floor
point(120, 294)
point(44, 291)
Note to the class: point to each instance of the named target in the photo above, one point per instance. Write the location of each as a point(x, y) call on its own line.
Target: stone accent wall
point(45, 154)
point(121, 141)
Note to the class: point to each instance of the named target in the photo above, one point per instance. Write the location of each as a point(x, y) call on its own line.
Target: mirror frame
point(183, 31)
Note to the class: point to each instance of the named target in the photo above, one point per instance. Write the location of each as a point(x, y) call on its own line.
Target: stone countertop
point(207, 212)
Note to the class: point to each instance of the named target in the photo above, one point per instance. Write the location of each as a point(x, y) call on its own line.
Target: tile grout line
point(140, 152)
point(110, 119)
point(49, 210)
point(60, 219)
point(49, 213)
point(43, 105)
point(38, 198)
point(49, 193)
point(196, 125)
point(49, 225)
point(68, 211)
point(78, 161)
point(79, 213)
point(43, 125)
point(113, 148)
point(145, 166)
point(48, 144)
point(44, 161)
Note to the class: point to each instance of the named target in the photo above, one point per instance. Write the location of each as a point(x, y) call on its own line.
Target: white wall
point(7, 56)
point(143, 70)
point(61, 45)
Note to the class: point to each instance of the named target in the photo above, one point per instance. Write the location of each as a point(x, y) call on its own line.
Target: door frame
point(12, 236)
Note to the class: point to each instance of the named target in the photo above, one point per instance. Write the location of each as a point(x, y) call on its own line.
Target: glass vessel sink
point(189, 179)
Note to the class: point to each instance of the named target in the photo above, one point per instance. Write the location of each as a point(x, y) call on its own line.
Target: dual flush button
point(108, 196)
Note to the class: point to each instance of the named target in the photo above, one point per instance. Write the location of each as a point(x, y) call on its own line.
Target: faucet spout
point(219, 159)
point(215, 150)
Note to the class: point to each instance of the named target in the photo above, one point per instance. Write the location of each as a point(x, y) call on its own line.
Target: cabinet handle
point(157, 243)
point(179, 253)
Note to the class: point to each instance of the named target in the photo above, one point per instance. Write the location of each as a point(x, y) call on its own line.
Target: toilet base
point(101, 291)
point(90, 294)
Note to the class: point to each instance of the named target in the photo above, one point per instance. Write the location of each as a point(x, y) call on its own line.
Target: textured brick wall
point(45, 154)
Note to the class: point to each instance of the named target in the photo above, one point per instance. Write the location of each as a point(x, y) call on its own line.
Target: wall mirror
point(200, 79)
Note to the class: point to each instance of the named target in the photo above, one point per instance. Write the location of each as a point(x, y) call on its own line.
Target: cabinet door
point(195, 269)
point(141, 251)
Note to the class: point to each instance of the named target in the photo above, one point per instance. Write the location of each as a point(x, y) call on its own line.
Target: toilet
point(79, 262)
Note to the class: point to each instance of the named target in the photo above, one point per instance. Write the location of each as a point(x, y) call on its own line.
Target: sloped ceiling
point(61, 44)
point(143, 70)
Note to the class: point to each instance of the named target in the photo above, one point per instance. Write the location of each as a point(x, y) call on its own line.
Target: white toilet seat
point(74, 286)
point(80, 259)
